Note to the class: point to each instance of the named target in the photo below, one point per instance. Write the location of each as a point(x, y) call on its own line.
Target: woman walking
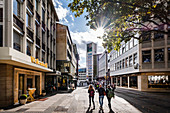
point(91, 92)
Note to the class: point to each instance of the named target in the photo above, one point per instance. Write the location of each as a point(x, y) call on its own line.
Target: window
point(115, 66)
point(146, 36)
point(37, 30)
point(43, 36)
point(169, 53)
point(123, 48)
point(158, 36)
point(1, 14)
point(127, 46)
point(159, 55)
point(16, 7)
point(130, 61)
point(131, 43)
point(123, 63)
point(120, 51)
point(43, 56)
point(43, 15)
point(16, 41)
point(29, 48)
point(136, 42)
point(126, 62)
point(28, 20)
point(1, 35)
point(120, 64)
point(146, 56)
point(37, 54)
point(135, 58)
point(36, 5)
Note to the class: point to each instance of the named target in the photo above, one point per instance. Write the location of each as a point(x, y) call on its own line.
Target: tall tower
point(91, 50)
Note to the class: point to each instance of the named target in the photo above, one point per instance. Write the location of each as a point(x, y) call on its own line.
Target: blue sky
point(80, 33)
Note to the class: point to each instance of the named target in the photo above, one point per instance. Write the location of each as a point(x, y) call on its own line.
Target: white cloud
point(62, 12)
point(81, 39)
point(72, 17)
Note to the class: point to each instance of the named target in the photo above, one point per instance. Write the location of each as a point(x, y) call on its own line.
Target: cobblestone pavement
point(75, 102)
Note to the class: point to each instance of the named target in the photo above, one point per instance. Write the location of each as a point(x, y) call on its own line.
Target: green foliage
point(122, 19)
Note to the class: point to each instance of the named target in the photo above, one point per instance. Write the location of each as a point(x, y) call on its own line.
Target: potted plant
point(43, 92)
point(23, 99)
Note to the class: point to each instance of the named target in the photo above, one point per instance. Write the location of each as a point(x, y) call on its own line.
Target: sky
point(80, 33)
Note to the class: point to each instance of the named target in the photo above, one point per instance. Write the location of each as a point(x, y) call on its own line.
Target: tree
point(124, 19)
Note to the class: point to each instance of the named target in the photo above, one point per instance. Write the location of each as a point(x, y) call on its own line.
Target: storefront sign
point(36, 61)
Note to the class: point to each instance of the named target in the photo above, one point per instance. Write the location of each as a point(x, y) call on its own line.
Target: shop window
point(146, 56)
point(130, 61)
point(43, 56)
point(16, 41)
point(37, 53)
point(133, 81)
point(127, 46)
point(169, 53)
point(135, 58)
point(160, 81)
point(28, 20)
point(126, 62)
point(1, 14)
point(29, 48)
point(16, 8)
point(1, 35)
point(158, 35)
point(159, 55)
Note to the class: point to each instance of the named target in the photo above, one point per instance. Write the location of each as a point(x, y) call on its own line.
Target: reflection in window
point(130, 61)
point(29, 48)
point(146, 56)
point(158, 36)
point(126, 62)
point(16, 41)
point(135, 58)
point(16, 7)
point(127, 46)
point(136, 42)
point(159, 55)
point(160, 81)
point(131, 43)
point(28, 20)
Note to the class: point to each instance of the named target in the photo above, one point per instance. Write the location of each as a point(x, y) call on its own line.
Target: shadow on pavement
point(89, 110)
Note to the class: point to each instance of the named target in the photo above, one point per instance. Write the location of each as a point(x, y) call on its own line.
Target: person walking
point(101, 91)
point(109, 95)
point(91, 92)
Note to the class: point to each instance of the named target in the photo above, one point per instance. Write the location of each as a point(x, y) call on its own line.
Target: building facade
point(66, 58)
point(27, 47)
point(143, 66)
point(91, 50)
point(82, 79)
point(96, 66)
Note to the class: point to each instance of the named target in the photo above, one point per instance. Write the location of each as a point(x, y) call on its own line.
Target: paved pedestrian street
point(75, 102)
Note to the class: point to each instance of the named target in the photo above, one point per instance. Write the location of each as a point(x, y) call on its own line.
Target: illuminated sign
point(36, 61)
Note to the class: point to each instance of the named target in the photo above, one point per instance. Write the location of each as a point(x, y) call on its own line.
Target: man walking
point(109, 94)
point(101, 95)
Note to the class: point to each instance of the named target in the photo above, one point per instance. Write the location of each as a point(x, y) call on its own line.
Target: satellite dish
point(136, 66)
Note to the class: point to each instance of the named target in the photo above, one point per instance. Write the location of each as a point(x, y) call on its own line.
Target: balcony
point(38, 41)
point(37, 17)
point(30, 5)
point(43, 46)
point(43, 25)
point(19, 24)
point(30, 34)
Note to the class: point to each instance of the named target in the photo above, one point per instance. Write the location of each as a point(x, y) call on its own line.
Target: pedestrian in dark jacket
point(91, 92)
point(108, 96)
point(101, 91)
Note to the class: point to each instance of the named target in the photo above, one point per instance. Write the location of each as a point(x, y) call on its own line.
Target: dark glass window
point(16, 41)
point(135, 58)
point(130, 61)
point(1, 14)
point(146, 36)
point(169, 53)
point(126, 62)
point(28, 20)
point(120, 64)
point(37, 53)
point(1, 35)
point(29, 48)
point(159, 55)
point(36, 5)
point(123, 63)
point(158, 36)
point(43, 56)
point(43, 15)
point(146, 56)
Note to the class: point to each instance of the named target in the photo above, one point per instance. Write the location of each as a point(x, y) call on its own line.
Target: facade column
point(121, 81)
point(128, 81)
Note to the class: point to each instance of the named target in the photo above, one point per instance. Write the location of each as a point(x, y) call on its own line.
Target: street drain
point(22, 110)
point(60, 109)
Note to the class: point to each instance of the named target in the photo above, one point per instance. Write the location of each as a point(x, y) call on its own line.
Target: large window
point(169, 53)
point(131, 43)
point(37, 54)
point(1, 35)
point(159, 81)
point(43, 56)
point(28, 20)
point(146, 56)
point(1, 14)
point(43, 15)
point(16, 41)
point(127, 46)
point(130, 61)
point(16, 7)
point(29, 48)
point(159, 55)
point(126, 62)
point(135, 58)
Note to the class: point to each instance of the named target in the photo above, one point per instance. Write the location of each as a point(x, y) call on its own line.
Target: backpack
point(110, 93)
point(91, 93)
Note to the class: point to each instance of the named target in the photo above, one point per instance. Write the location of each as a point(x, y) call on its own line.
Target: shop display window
point(159, 81)
point(146, 56)
point(159, 55)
